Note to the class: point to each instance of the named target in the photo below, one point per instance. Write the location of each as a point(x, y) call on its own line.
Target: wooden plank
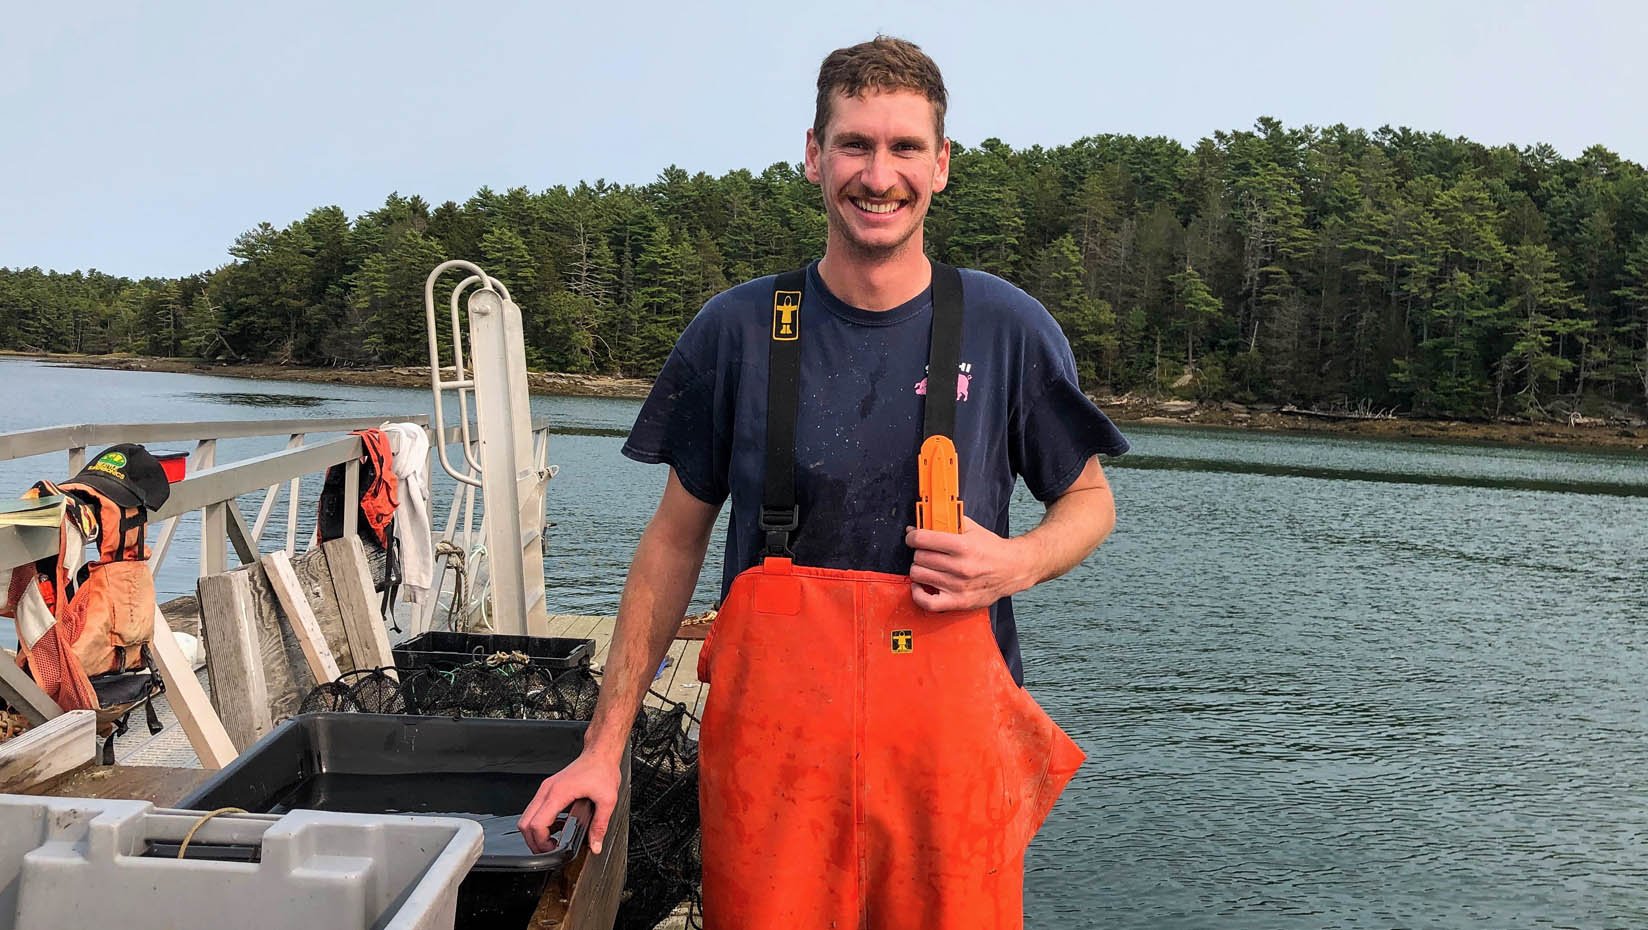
point(698, 704)
point(57, 746)
point(285, 667)
point(585, 895)
point(305, 628)
point(600, 885)
point(376, 628)
point(558, 623)
point(183, 692)
point(352, 579)
point(315, 581)
point(23, 694)
point(684, 687)
point(582, 627)
point(159, 785)
point(661, 684)
point(233, 657)
point(602, 634)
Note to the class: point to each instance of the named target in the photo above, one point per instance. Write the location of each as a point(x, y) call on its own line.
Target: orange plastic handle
point(938, 480)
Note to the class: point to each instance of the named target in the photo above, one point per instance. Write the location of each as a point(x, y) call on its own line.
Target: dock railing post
point(214, 518)
point(504, 453)
point(489, 355)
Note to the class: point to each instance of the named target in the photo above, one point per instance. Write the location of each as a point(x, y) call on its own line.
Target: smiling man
point(869, 757)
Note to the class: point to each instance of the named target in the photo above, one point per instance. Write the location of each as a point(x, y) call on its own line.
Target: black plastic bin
point(441, 649)
point(481, 769)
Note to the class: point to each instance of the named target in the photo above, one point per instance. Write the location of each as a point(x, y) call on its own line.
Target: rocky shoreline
point(1619, 433)
point(561, 383)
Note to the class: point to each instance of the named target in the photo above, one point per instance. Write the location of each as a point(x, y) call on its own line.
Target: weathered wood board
point(315, 580)
point(357, 603)
point(277, 568)
point(286, 669)
point(59, 745)
point(234, 660)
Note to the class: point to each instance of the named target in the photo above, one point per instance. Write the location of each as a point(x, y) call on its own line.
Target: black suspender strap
point(779, 513)
point(944, 354)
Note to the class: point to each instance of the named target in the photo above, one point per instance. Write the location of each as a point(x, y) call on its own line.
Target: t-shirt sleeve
point(1055, 427)
point(677, 423)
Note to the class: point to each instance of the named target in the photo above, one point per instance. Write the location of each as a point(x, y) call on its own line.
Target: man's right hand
point(589, 776)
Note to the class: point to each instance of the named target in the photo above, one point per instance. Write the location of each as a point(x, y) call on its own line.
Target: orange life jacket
point(379, 493)
point(104, 611)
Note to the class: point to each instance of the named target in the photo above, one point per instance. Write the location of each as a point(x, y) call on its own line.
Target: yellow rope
point(201, 823)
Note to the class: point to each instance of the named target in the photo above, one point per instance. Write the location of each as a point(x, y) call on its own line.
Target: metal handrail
point(459, 383)
point(212, 485)
point(20, 545)
point(47, 439)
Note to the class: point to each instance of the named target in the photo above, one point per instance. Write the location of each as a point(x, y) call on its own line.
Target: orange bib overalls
point(864, 763)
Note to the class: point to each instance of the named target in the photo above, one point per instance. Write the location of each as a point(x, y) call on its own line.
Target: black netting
point(663, 834)
point(332, 696)
point(665, 864)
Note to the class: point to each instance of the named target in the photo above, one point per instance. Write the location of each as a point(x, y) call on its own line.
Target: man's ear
point(814, 150)
point(941, 171)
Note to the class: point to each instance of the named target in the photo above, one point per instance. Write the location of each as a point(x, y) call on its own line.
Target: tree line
point(1326, 266)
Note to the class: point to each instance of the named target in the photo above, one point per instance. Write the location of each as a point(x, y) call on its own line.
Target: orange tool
point(938, 480)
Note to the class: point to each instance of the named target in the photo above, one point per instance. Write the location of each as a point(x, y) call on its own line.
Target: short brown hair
point(881, 64)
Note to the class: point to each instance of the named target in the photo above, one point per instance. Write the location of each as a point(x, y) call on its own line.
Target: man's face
point(879, 164)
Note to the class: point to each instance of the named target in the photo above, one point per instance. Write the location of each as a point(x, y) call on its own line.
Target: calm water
point(1320, 682)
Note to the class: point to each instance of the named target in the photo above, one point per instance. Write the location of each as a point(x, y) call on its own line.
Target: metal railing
point(213, 488)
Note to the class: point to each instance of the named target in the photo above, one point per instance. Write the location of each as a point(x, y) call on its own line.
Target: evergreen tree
point(1304, 265)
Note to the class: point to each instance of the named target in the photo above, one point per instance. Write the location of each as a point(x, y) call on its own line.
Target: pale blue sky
point(142, 138)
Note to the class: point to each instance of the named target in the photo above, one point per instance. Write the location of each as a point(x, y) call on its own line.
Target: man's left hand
point(966, 570)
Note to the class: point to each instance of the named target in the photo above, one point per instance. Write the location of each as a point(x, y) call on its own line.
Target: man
point(868, 757)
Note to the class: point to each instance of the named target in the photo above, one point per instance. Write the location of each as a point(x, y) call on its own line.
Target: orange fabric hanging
point(105, 612)
point(379, 498)
point(865, 763)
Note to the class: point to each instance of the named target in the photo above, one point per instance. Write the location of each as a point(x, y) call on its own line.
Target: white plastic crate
point(69, 863)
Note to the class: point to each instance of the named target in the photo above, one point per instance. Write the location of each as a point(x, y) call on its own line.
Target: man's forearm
point(1072, 528)
point(656, 594)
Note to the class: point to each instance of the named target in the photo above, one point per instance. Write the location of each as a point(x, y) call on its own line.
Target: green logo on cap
point(110, 463)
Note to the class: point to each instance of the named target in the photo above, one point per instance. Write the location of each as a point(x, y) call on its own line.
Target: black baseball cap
point(128, 475)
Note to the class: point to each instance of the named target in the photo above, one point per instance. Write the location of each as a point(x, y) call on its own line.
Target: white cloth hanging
point(412, 525)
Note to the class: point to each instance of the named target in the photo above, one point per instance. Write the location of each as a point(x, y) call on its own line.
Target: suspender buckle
point(777, 523)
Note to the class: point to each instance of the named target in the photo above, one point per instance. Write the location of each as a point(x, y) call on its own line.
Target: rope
point(465, 604)
point(455, 563)
point(201, 823)
point(475, 607)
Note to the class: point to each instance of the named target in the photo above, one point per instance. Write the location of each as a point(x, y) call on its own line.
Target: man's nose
point(879, 175)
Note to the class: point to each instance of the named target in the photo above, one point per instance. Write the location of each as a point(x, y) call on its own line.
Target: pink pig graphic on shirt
point(964, 380)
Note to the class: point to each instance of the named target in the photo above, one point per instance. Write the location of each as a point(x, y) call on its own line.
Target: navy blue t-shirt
point(1020, 413)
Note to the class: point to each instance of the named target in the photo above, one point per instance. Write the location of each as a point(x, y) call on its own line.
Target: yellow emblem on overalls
point(786, 307)
point(903, 641)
